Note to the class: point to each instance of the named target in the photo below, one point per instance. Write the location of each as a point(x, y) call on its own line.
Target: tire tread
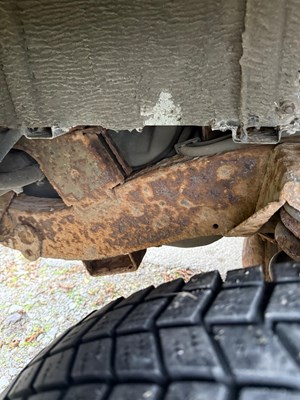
point(235, 340)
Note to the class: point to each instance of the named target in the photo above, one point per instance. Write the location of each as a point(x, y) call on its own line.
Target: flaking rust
point(287, 241)
point(281, 184)
point(104, 215)
point(101, 215)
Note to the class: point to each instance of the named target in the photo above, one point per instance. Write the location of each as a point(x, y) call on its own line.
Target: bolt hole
point(215, 226)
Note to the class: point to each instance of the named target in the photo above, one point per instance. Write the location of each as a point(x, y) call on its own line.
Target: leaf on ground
point(100, 301)
point(34, 335)
point(111, 288)
point(67, 286)
point(186, 274)
point(14, 343)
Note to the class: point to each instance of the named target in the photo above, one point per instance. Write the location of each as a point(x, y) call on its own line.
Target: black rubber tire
point(204, 340)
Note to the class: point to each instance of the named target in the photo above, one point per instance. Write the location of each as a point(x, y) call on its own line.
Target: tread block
point(284, 304)
point(207, 280)
point(188, 352)
point(47, 349)
point(108, 307)
point(53, 395)
point(106, 326)
point(22, 386)
point(185, 308)
point(289, 333)
point(235, 305)
point(244, 277)
point(142, 317)
point(86, 392)
point(135, 392)
point(93, 361)
point(137, 357)
point(285, 272)
point(166, 289)
point(136, 297)
point(73, 336)
point(268, 394)
point(196, 391)
point(255, 355)
point(43, 352)
point(54, 371)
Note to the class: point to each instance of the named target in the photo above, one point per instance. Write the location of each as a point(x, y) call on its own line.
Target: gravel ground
point(39, 300)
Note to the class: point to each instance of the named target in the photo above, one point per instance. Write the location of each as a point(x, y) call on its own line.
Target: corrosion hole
point(215, 226)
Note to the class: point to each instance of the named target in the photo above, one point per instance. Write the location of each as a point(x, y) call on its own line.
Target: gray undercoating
point(125, 64)
point(270, 64)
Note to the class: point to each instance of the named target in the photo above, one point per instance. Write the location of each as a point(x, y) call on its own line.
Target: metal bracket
point(5, 220)
point(257, 135)
point(46, 132)
point(115, 265)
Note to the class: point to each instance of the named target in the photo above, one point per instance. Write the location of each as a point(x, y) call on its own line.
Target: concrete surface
point(223, 255)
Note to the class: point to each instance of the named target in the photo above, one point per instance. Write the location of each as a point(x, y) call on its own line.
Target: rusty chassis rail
point(106, 212)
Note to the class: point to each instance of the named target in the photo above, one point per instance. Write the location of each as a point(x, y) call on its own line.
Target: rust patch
point(281, 184)
point(83, 173)
point(110, 143)
point(290, 223)
point(104, 216)
point(6, 224)
point(5, 201)
point(289, 243)
point(28, 241)
point(258, 251)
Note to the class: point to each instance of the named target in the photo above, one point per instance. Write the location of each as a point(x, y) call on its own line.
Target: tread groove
point(291, 348)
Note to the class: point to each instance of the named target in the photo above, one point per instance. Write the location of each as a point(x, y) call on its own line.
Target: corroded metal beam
point(281, 185)
point(102, 214)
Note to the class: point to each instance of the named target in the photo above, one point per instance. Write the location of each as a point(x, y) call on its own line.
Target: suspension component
point(287, 232)
point(105, 210)
point(18, 170)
